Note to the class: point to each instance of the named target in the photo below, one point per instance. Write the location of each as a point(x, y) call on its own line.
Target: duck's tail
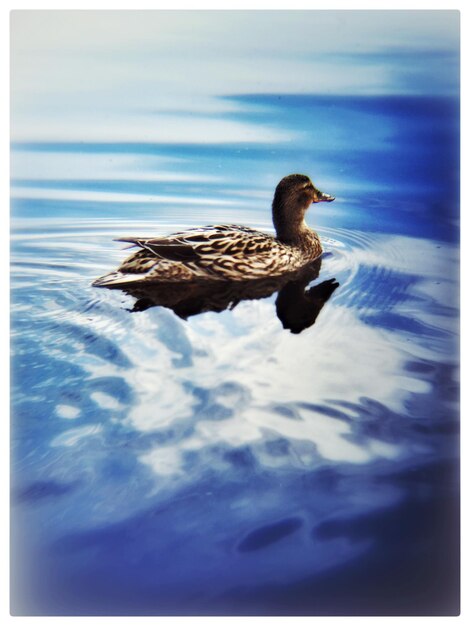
point(116, 279)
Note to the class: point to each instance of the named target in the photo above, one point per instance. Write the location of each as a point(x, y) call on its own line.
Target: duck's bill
point(324, 197)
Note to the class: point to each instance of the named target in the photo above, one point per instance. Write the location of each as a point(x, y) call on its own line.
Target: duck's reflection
point(297, 307)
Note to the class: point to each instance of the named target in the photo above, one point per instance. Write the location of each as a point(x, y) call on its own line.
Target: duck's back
point(218, 252)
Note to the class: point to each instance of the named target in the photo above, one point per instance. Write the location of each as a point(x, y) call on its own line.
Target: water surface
point(223, 464)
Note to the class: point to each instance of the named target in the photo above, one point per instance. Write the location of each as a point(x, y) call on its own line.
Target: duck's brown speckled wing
point(197, 243)
point(221, 252)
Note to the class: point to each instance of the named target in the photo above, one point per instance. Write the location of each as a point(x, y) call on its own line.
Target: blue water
point(223, 464)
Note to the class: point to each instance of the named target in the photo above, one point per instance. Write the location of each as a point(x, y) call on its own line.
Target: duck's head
point(293, 196)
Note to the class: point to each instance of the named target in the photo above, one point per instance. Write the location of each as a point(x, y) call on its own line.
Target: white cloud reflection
point(33, 193)
point(72, 166)
point(281, 369)
point(117, 126)
point(91, 75)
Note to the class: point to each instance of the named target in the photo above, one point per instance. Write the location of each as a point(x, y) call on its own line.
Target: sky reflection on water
point(222, 464)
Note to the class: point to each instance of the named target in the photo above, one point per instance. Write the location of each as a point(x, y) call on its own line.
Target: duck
point(228, 252)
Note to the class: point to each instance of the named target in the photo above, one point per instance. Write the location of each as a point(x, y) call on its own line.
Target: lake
point(219, 463)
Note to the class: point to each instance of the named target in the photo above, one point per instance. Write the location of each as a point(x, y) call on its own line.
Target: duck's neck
point(291, 227)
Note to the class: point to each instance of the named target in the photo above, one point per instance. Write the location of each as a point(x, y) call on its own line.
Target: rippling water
point(223, 464)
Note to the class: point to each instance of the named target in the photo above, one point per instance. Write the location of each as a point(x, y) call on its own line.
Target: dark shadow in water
point(267, 535)
point(43, 489)
point(297, 307)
